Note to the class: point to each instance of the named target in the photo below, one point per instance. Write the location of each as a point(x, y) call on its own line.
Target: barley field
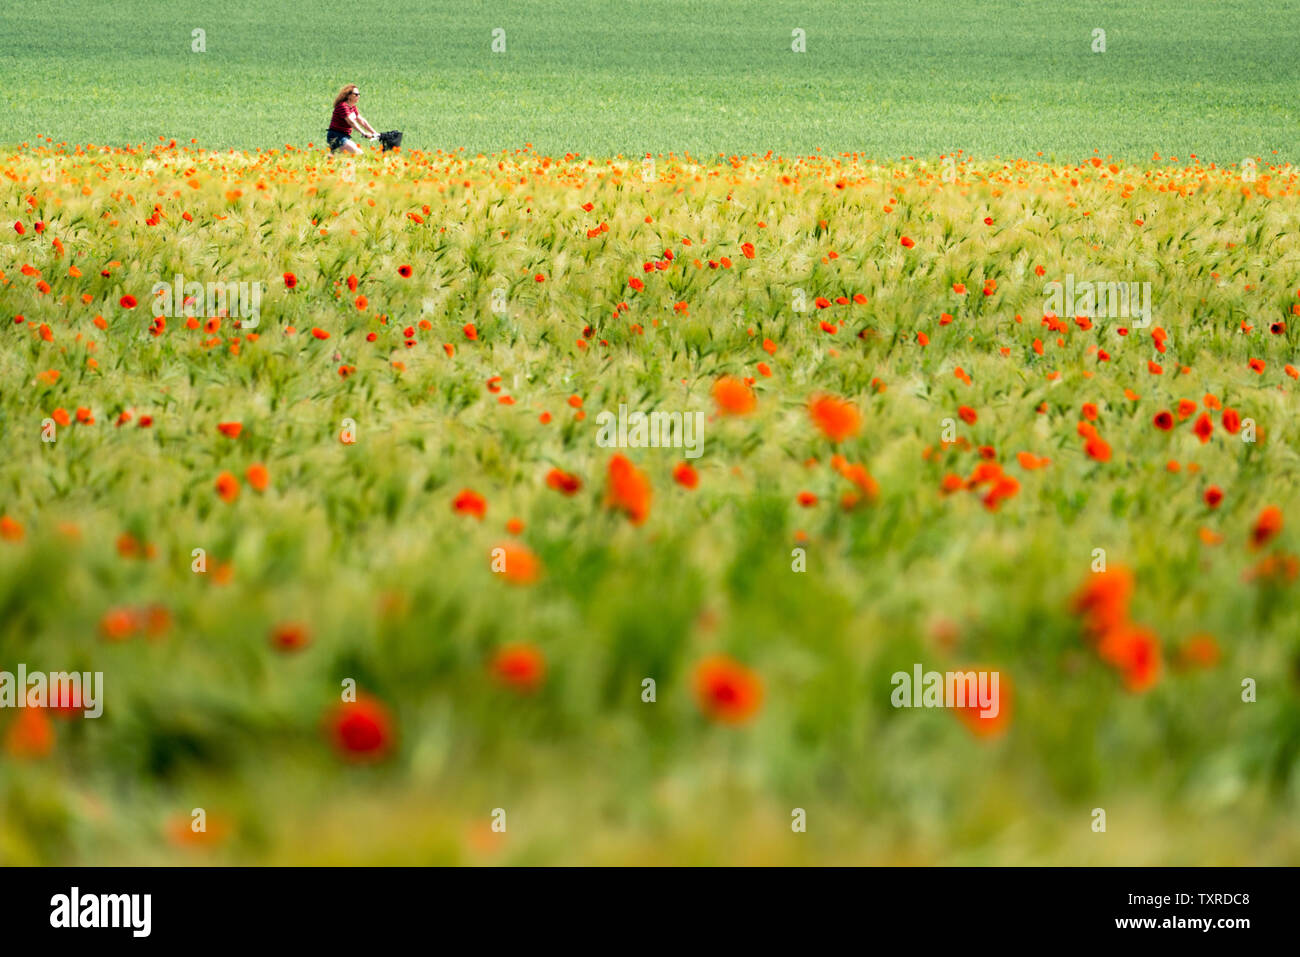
point(366, 583)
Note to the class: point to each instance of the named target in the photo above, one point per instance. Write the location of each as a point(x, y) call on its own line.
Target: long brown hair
point(343, 93)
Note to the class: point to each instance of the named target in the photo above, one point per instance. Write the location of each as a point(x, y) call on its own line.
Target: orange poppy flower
point(520, 667)
point(1267, 525)
point(1199, 651)
point(1103, 599)
point(1204, 427)
point(227, 487)
point(1097, 448)
point(31, 735)
point(469, 502)
point(516, 562)
point(290, 636)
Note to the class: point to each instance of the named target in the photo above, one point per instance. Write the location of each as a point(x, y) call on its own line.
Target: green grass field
point(887, 78)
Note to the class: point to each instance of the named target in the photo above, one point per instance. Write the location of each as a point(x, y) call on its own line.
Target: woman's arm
point(362, 124)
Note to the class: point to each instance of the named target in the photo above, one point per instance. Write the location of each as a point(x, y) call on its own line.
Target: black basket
point(391, 140)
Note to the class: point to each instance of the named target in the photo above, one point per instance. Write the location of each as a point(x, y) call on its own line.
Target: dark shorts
point(335, 139)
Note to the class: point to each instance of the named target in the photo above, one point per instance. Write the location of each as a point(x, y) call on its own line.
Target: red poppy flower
point(257, 476)
point(516, 562)
point(733, 396)
point(469, 502)
point(836, 418)
point(1135, 652)
point(290, 636)
point(990, 725)
point(30, 735)
point(10, 530)
point(1097, 448)
point(1199, 651)
point(520, 667)
point(361, 730)
point(1204, 427)
point(563, 482)
point(1103, 600)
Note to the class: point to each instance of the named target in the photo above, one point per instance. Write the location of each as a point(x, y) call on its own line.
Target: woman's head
point(349, 93)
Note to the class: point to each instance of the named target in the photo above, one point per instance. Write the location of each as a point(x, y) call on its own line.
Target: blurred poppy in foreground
point(628, 489)
point(734, 396)
point(520, 667)
point(1267, 525)
point(31, 735)
point(516, 563)
point(995, 723)
point(837, 419)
